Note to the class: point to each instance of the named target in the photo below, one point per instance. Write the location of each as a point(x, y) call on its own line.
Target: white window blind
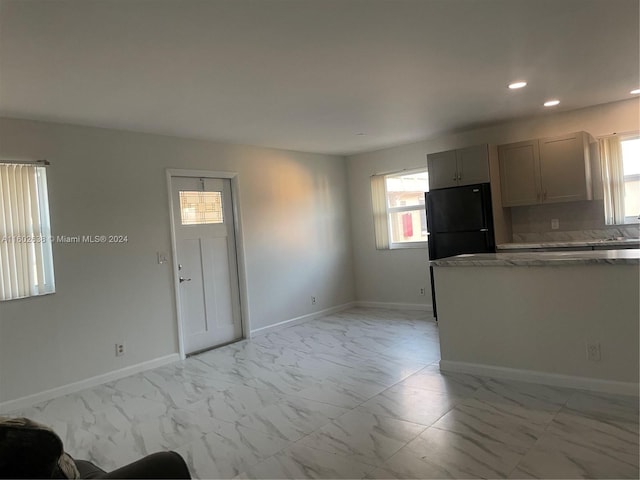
point(379, 205)
point(612, 179)
point(26, 260)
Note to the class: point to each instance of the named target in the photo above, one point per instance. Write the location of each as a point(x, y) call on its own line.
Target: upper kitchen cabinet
point(465, 166)
point(565, 168)
point(519, 173)
point(547, 170)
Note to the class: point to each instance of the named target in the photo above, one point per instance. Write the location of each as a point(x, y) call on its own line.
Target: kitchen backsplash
point(630, 231)
point(576, 221)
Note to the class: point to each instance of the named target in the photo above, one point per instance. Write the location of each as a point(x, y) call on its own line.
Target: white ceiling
point(311, 75)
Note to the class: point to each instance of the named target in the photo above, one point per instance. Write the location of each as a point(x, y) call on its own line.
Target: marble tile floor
point(356, 394)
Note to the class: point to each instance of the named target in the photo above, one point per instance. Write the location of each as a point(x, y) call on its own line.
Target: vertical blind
point(379, 205)
point(612, 179)
point(26, 261)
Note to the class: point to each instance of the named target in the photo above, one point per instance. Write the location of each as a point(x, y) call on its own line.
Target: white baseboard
point(396, 306)
point(29, 400)
point(301, 319)
point(532, 376)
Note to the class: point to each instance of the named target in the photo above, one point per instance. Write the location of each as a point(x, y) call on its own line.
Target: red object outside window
point(407, 225)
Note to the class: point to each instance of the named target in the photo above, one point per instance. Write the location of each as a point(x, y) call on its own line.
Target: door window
point(201, 208)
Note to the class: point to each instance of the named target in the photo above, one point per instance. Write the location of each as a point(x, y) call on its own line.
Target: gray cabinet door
point(564, 168)
point(473, 165)
point(442, 169)
point(520, 173)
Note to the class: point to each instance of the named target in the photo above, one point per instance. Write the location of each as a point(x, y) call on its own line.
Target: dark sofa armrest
point(161, 465)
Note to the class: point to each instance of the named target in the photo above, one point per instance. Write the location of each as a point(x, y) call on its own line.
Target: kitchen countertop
point(571, 244)
point(542, 259)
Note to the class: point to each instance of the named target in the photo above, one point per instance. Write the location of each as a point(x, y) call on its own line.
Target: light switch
point(555, 224)
point(162, 258)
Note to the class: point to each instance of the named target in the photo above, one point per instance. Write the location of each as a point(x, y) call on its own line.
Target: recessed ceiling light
point(635, 92)
point(517, 85)
point(551, 103)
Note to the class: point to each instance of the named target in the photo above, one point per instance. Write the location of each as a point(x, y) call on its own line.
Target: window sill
point(25, 297)
point(408, 245)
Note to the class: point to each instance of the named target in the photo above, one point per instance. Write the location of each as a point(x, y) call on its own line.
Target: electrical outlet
point(119, 349)
point(313, 300)
point(555, 224)
point(422, 290)
point(593, 351)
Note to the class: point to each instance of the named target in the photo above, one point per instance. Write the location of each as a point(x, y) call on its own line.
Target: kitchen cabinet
point(453, 168)
point(546, 170)
point(628, 246)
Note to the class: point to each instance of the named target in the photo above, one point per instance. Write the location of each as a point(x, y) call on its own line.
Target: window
point(631, 168)
point(201, 208)
point(400, 219)
point(620, 162)
point(26, 260)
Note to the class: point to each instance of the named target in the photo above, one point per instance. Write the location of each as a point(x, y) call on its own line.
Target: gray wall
point(297, 243)
point(389, 276)
point(395, 276)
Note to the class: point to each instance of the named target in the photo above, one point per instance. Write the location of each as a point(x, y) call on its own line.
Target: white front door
point(207, 263)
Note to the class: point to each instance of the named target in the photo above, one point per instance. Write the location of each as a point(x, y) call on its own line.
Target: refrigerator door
point(456, 243)
point(459, 209)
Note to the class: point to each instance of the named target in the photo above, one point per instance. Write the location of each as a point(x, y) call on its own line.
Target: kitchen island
point(563, 318)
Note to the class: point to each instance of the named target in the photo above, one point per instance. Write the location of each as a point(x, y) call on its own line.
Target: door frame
point(240, 257)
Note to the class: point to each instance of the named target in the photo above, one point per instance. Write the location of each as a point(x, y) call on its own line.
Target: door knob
point(182, 279)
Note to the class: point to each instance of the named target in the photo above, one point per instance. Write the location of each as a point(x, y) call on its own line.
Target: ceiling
point(328, 76)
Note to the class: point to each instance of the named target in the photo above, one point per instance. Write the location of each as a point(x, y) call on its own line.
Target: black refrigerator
point(459, 220)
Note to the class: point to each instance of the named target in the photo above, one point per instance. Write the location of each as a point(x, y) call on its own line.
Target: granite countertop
point(542, 259)
point(571, 244)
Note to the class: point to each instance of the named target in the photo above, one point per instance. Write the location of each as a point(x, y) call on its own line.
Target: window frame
point(40, 256)
point(629, 219)
point(404, 208)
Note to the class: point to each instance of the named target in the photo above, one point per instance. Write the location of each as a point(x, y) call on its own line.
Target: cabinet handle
point(544, 195)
